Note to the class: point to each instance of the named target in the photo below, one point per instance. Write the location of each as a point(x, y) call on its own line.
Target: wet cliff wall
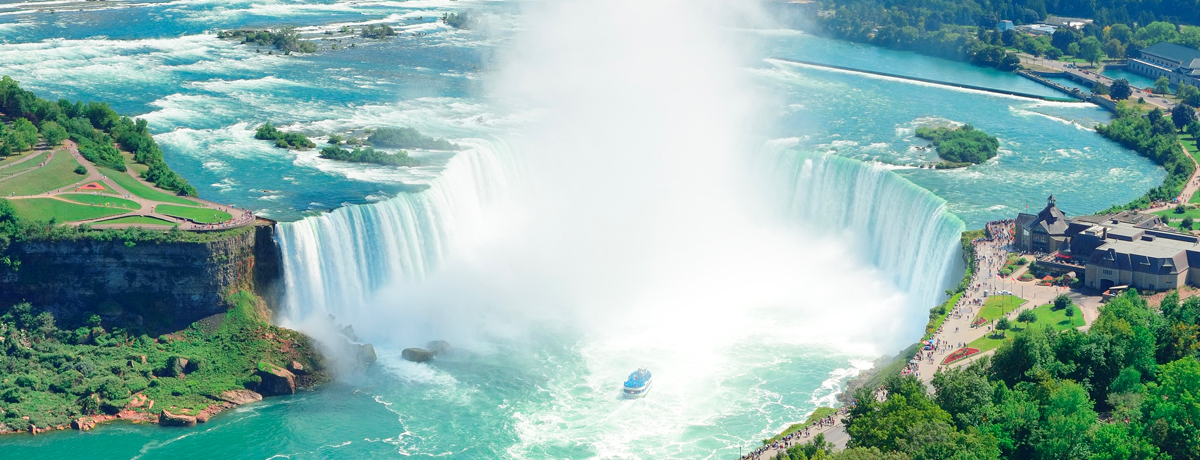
point(149, 286)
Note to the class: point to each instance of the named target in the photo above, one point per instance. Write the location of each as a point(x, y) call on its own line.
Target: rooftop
point(1173, 52)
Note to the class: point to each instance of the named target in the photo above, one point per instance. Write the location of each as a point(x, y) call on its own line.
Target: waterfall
point(904, 230)
point(335, 261)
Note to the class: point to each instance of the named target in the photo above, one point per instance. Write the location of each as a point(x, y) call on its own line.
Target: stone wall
point(159, 287)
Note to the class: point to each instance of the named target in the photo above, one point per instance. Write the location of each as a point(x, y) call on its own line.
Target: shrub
point(80, 170)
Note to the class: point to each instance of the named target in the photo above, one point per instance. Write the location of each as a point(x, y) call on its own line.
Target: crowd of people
point(799, 436)
point(991, 255)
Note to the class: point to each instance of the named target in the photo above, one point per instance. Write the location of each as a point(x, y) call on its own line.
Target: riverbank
point(63, 377)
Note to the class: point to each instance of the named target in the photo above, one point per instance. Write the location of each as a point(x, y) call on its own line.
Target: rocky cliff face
point(158, 286)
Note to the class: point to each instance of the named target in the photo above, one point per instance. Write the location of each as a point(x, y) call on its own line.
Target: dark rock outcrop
point(162, 287)
point(366, 354)
point(169, 419)
point(416, 355)
point(275, 380)
point(240, 397)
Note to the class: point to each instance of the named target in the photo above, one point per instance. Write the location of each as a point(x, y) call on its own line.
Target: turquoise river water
point(632, 192)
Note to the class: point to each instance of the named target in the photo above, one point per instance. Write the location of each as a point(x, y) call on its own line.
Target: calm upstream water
point(730, 371)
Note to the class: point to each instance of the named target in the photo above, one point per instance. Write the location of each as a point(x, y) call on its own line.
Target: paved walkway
point(991, 257)
point(241, 217)
point(832, 427)
point(1189, 190)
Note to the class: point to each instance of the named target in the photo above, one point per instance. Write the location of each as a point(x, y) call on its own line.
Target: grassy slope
point(819, 413)
point(137, 220)
point(201, 215)
point(53, 376)
point(102, 200)
point(59, 173)
point(138, 188)
point(16, 168)
point(47, 208)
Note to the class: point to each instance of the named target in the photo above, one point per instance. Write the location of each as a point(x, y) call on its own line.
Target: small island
point(961, 147)
point(295, 141)
point(368, 155)
point(407, 138)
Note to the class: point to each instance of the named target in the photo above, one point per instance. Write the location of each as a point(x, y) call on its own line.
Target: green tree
point(1003, 325)
point(1162, 85)
point(1069, 415)
point(1173, 409)
point(53, 133)
point(1156, 32)
point(1114, 49)
point(1027, 316)
point(1120, 32)
point(1183, 115)
point(23, 134)
point(884, 424)
point(1073, 50)
point(1121, 90)
point(1187, 222)
point(1091, 50)
point(1189, 95)
point(964, 393)
point(1061, 302)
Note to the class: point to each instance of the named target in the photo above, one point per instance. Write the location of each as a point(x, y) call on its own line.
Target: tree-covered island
point(960, 147)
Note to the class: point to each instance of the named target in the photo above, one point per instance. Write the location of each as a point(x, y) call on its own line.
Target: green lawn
point(58, 174)
point(102, 200)
point(46, 208)
point(138, 188)
point(1171, 214)
point(143, 220)
point(201, 215)
point(8, 170)
point(998, 305)
point(1045, 315)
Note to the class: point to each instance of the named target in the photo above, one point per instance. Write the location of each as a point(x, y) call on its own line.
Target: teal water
point(1135, 79)
point(730, 371)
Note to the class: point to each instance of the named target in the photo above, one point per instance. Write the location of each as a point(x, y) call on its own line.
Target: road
point(1059, 66)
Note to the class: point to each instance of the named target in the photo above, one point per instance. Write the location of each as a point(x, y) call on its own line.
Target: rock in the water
point(240, 397)
point(366, 354)
point(348, 331)
point(416, 355)
point(438, 347)
point(275, 380)
point(83, 423)
point(169, 419)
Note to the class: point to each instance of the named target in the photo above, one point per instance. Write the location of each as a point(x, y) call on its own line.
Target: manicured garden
point(63, 211)
point(1045, 314)
point(102, 200)
point(145, 191)
point(201, 215)
point(59, 173)
point(999, 305)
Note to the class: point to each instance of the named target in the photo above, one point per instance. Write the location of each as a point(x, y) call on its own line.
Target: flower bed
point(960, 353)
point(978, 321)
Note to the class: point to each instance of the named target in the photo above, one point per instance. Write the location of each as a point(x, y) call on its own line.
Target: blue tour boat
point(639, 383)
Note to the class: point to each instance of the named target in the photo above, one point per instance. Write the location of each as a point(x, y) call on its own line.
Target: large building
point(1125, 249)
point(1180, 64)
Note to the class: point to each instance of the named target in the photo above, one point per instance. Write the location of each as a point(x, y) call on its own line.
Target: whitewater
point(640, 185)
point(676, 264)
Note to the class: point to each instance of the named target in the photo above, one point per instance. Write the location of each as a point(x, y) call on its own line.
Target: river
point(641, 185)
